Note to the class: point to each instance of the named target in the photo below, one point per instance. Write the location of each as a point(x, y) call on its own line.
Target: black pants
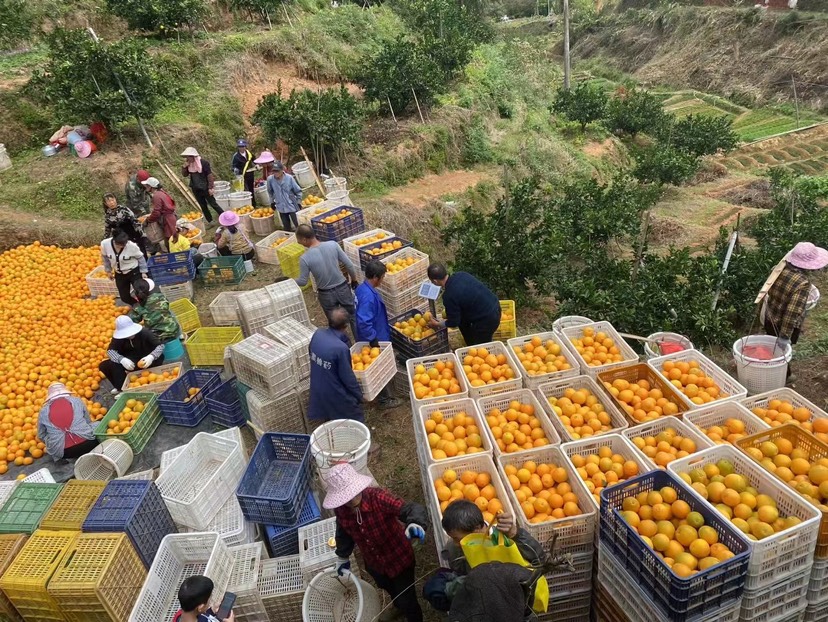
point(249, 182)
point(124, 281)
point(204, 199)
point(76, 451)
point(226, 252)
point(340, 296)
point(116, 374)
point(287, 219)
point(480, 332)
point(771, 330)
point(402, 589)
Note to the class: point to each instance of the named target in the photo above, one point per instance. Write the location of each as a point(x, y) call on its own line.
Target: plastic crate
point(295, 335)
point(705, 418)
point(408, 348)
point(428, 362)
point(496, 348)
point(680, 599)
point(10, 545)
point(100, 286)
point(230, 434)
point(281, 588)
point(507, 328)
point(247, 560)
point(200, 480)
point(224, 309)
point(337, 231)
point(24, 581)
point(379, 373)
point(606, 609)
point(72, 505)
point(148, 475)
point(815, 613)
point(401, 304)
point(182, 555)
point(634, 373)
point(178, 291)
point(263, 365)
point(782, 554)
point(285, 540)
point(282, 413)
point(501, 402)
point(288, 301)
point(224, 405)
point(288, 256)
point(653, 428)
point(787, 395)
point(365, 257)
point(171, 268)
point(142, 428)
point(222, 270)
point(815, 449)
point(572, 607)
point(315, 552)
point(26, 507)
point(256, 311)
point(41, 476)
point(6, 489)
point(467, 406)
point(730, 389)
point(266, 253)
point(817, 585)
point(187, 315)
point(229, 524)
point(99, 578)
point(576, 332)
point(154, 387)
point(563, 583)
point(396, 283)
point(276, 482)
point(533, 381)
point(781, 601)
point(205, 346)
point(173, 403)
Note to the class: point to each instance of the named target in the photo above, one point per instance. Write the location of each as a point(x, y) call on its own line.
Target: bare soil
point(431, 187)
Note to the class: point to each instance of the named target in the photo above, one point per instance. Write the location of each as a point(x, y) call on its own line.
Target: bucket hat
point(56, 389)
point(125, 327)
point(241, 142)
point(808, 257)
point(183, 223)
point(83, 148)
point(344, 483)
point(190, 151)
point(142, 175)
point(228, 218)
point(264, 157)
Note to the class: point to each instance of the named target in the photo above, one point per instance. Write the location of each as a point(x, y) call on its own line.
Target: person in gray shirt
point(322, 259)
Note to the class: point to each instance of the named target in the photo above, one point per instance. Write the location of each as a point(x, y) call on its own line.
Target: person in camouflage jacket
point(153, 309)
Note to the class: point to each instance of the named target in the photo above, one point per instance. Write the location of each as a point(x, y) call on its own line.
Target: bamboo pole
point(313, 172)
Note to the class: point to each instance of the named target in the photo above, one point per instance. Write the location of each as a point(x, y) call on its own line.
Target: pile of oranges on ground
point(543, 491)
point(665, 446)
point(450, 436)
point(262, 212)
point(581, 413)
point(538, 357)
point(142, 379)
point(596, 348)
point(483, 368)
point(690, 379)
point(471, 485)
point(603, 468)
point(779, 412)
point(641, 400)
point(51, 331)
point(363, 360)
point(437, 380)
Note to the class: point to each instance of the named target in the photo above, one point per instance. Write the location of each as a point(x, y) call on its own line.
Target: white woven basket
point(112, 458)
point(340, 440)
point(335, 599)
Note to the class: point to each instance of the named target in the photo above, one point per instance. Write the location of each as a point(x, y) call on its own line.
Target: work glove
point(374, 343)
point(343, 565)
point(783, 342)
point(415, 531)
point(127, 364)
point(146, 362)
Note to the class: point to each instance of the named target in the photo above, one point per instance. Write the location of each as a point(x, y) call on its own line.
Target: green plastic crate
point(145, 426)
point(218, 270)
point(26, 507)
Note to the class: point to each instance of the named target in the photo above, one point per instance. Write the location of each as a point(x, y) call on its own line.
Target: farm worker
point(242, 164)
point(334, 390)
point(64, 425)
point(382, 525)
point(372, 319)
point(265, 160)
point(470, 305)
point(231, 240)
point(137, 198)
point(285, 196)
point(180, 242)
point(132, 347)
point(123, 261)
point(785, 305)
point(201, 181)
point(153, 309)
point(118, 217)
point(163, 207)
point(322, 259)
point(194, 597)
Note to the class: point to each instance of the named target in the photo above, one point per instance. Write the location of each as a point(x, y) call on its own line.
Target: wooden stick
point(416, 101)
point(179, 185)
point(391, 108)
point(313, 172)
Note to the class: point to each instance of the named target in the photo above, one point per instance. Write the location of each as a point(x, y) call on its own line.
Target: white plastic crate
point(6, 489)
point(411, 276)
point(202, 477)
point(778, 556)
point(403, 302)
point(281, 588)
point(557, 388)
point(428, 362)
point(177, 292)
point(41, 476)
point(501, 402)
point(315, 552)
point(244, 582)
point(379, 373)
point(784, 394)
point(229, 524)
point(815, 613)
point(533, 381)
point(783, 601)
point(295, 335)
point(628, 355)
point(266, 254)
point(263, 365)
point(564, 583)
point(818, 584)
point(449, 410)
point(255, 311)
point(232, 434)
point(288, 301)
point(730, 388)
point(705, 418)
point(282, 413)
point(149, 474)
point(440, 536)
point(653, 428)
point(100, 286)
point(496, 348)
point(576, 534)
point(179, 556)
point(225, 309)
point(352, 249)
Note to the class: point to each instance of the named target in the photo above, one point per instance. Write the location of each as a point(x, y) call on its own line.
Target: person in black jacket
point(201, 181)
point(242, 164)
point(470, 305)
point(132, 347)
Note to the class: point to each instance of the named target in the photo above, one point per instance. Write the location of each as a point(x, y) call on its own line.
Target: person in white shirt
point(123, 261)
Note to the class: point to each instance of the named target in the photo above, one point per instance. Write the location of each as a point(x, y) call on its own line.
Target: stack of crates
point(352, 245)
point(284, 540)
point(283, 412)
point(288, 301)
point(244, 582)
point(72, 505)
point(27, 506)
point(225, 406)
point(225, 309)
point(281, 588)
point(288, 256)
point(295, 335)
point(10, 545)
point(256, 310)
point(185, 401)
point(263, 365)
point(315, 551)
point(172, 268)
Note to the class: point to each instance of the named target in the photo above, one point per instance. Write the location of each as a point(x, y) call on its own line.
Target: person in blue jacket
point(334, 390)
point(372, 319)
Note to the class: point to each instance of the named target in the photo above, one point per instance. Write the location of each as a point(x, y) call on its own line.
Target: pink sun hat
point(228, 219)
point(808, 257)
point(265, 157)
point(343, 483)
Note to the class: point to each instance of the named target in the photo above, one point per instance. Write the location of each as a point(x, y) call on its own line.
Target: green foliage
point(635, 110)
point(158, 15)
point(17, 20)
point(586, 103)
point(700, 134)
point(477, 148)
point(662, 164)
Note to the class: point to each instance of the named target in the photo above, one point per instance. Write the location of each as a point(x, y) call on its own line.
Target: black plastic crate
point(343, 228)
point(365, 257)
point(407, 348)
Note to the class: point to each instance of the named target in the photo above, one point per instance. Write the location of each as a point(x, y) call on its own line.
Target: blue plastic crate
point(178, 412)
point(243, 390)
point(343, 228)
point(277, 479)
point(172, 268)
point(365, 258)
point(224, 405)
point(134, 507)
point(681, 599)
point(285, 540)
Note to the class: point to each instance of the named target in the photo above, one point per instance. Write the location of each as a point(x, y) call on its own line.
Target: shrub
point(663, 164)
point(585, 103)
point(16, 23)
point(158, 15)
point(700, 134)
point(633, 111)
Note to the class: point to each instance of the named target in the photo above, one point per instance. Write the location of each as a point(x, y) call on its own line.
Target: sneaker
point(394, 402)
point(115, 392)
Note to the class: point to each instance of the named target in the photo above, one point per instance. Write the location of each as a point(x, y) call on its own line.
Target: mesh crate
point(225, 310)
point(99, 578)
point(784, 600)
point(496, 348)
point(345, 227)
point(230, 434)
point(276, 482)
point(404, 302)
point(182, 555)
point(784, 553)
point(282, 413)
point(533, 380)
point(153, 385)
point(395, 283)
point(303, 216)
point(6, 489)
point(501, 402)
point(263, 365)
point(178, 291)
point(407, 347)
point(72, 505)
point(243, 390)
point(149, 475)
point(171, 268)
point(467, 406)
point(186, 314)
point(634, 373)
point(379, 373)
point(366, 255)
point(255, 311)
point(295, 335)
point(222, 270)
point(730, 389)
point(265, 249)
point(200, 480)
point(142, 428)
point(606, 609)
point(247, 560)
point(575, 332)
point(288, 301)
point(352, 244)
point(263, 225)
point(315, 551)
point(679, 598)
point(564, 583)
point(179, 406)
point(10, 545)
point(41, 476)
point(224, 405)
point(653, 428)
point(26, 507)
point(205, 346)
point(24, 581)
point(815, 613)
point(572, 607)
point(100, 285)
point(817, 585)
point(428, 362)
point(813, 447)
point(229, 524)
point(705, 418)
point(281, 588)
point(288, 256)
point(508, 322)
point(285, 540)
point(787, 395)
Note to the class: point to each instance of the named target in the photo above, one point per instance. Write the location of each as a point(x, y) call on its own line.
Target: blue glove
point(415, 531)
point(342, 566)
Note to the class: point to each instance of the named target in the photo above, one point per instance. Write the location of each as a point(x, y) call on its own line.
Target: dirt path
point(426, 189)
point(23, 228)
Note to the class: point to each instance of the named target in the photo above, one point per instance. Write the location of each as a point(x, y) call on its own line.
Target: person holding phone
point(194, 596)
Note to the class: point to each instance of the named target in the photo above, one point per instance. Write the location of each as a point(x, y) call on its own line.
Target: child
point(193, 595)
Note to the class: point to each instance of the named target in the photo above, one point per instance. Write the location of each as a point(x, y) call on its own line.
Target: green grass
point(12, 64)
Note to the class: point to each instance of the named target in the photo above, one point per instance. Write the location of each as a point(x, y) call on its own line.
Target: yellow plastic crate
point(98, 579)
point(72, 505)
point(25, 580)
point(288, 255)
point(206, 345)
point(508, 321)
point(186, 314)
point(10, 545)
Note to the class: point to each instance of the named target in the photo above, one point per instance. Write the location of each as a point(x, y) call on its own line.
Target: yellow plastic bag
point(480, 548)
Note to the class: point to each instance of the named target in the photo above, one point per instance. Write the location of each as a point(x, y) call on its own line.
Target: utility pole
point(566, 44)
point(796, 100)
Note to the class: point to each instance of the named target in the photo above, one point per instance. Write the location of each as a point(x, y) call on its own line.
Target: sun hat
point(183, 223)
point(83, 148)
point(265, 157)
point(190, 151)
point(228, 219)
point(808, 257)
point(142, 175)
point(152, 182)
point(125, 327)
point(150, 284)
point(241, 142)
point(343, 483)
point(56, 389)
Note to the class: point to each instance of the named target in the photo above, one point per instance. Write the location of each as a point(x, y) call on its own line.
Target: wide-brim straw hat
point(55, 390)
point(265, 157)
point(343, 483)
point(190, 151)
point(808, 256)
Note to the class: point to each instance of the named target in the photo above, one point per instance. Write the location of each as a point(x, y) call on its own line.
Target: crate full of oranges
point(152, 380)
point(133, 418)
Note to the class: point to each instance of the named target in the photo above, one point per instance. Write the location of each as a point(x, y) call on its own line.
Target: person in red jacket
point(163, 208)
